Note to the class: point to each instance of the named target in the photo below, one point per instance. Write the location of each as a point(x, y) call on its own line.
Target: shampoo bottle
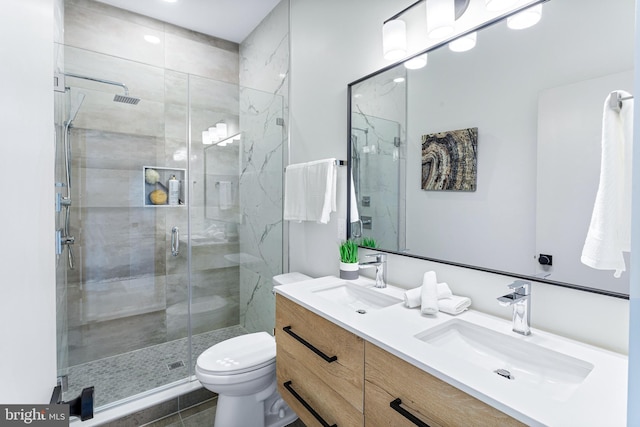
point(174, 190)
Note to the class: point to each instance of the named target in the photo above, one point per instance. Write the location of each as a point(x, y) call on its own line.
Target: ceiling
point(226, 19)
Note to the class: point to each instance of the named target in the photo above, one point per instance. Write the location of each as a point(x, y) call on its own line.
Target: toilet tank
point(283, 279)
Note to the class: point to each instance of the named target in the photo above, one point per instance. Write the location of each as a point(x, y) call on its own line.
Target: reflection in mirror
point(536, 97)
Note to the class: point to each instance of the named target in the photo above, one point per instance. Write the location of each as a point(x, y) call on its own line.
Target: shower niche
point(157, 184)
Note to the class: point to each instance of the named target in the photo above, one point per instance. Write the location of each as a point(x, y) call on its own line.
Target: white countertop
point(600, 400)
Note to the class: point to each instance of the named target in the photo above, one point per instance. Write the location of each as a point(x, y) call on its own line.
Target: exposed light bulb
point(394, 39)
point(416, 63)
point(441, 16)
point(525, 19)
point(465, 43)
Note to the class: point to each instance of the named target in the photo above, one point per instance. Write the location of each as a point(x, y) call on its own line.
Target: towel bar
point(616, 101)
point(337, 163)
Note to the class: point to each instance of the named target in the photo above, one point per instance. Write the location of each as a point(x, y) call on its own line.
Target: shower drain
point(175, 365)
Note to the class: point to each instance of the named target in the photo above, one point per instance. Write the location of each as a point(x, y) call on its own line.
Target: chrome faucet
point(381, 271)
point(520, 300)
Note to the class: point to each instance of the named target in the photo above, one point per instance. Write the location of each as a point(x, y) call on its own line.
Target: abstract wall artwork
point(449, 160)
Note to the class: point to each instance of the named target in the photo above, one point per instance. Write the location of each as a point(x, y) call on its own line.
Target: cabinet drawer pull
point(288, 386)
point(328, 359)
point(408, 415)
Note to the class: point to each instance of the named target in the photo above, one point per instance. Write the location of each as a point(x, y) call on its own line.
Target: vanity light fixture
point(213, 133)
point(462, 44)
point(206, 138)
point(441, 16)
point(525, 19)
point(221, 130)
point(496, 5)
point(394, 39)
point(416, 63)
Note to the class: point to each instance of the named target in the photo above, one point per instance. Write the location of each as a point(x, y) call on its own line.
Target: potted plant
point(349, 260)
point(369, 242)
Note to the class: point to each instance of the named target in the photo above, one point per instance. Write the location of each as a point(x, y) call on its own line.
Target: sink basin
point(355, 297)
point(553, 374)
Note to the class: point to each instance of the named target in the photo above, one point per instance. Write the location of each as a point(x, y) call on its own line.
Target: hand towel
point(354, 215)
point(454, 304)
point(609, 233)
point(429, 293)
point(225, 197)
point(310, 191)
point(413, 297)
point(321, 190)
point(295, 181)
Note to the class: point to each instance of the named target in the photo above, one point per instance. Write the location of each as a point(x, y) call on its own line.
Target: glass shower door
point(129, 246)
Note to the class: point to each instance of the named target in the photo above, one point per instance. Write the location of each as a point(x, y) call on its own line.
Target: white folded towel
point(295, 183)
point(429, 293)
point(413, 297)
point(225, 195)
point(610, 230)
point(454, 304)
point(310, 191)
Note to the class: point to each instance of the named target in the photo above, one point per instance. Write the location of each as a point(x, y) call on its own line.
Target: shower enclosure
point(144, 286)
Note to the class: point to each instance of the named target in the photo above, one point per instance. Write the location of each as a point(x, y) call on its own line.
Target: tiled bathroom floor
point(198, 416)
point(118, 377)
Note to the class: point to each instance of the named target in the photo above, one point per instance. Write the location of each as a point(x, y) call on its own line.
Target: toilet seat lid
point(239, 354)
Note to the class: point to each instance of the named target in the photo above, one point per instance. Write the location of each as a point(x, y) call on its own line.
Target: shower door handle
point(175, 241)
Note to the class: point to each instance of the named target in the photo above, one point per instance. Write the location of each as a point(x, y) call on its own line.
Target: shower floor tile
point(125, 375)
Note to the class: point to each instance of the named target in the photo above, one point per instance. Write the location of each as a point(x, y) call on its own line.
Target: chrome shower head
point(126, 99)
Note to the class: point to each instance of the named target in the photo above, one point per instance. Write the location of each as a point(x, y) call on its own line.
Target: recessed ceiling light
point(152, 39)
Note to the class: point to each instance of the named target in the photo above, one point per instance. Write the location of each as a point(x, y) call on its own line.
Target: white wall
point(334, 43)
point(27, 298)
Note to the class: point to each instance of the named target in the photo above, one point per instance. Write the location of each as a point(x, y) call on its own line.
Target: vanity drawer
point(345, 375)
point(329, 405)
point(431, 400)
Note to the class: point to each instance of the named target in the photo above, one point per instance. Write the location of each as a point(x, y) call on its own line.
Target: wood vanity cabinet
point(421, 395)
point(333, 389)
point(359, 386)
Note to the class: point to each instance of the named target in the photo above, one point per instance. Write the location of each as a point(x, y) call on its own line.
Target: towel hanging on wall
point(310, 191)
point(225, 195)
point(609, 233)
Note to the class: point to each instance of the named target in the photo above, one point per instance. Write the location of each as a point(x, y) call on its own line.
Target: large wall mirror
point(535, 97)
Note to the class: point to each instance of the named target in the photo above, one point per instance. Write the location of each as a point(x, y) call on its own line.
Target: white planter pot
point(349, 271)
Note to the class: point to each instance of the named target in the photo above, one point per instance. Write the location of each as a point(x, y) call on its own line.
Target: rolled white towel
point(454, 304)
point(429, 293)
point(413, 297)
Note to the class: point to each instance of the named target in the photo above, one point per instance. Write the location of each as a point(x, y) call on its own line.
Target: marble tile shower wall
point(264, 70)
point(127, 291)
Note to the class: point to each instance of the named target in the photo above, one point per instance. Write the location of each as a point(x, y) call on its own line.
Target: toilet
point(242, 371)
